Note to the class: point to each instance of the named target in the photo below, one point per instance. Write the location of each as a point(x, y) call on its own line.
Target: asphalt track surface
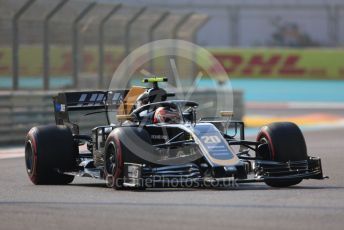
point(89, 204)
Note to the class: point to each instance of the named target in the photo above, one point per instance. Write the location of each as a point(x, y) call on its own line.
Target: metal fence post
point(128, 27)
point(101, 44)
point(194, 40)
point(180, 24)
point(46, 43)
point(76, 59)
point(175, 31)
point(234, 17)
point(151, 38)
point(15, 43)
point(333, 15)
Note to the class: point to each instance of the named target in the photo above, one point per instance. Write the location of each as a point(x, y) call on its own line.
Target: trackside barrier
point(21, 110)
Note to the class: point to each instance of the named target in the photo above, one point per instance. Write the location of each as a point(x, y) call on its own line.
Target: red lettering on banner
point(229, 62)
point(88, 61)
point(109, 59)
point(341, 72)
point(110, 62)
point(67, 63)
point(3, 69)
point(289, 66)
point(258, 62)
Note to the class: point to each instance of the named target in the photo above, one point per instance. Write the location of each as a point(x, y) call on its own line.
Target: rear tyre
point(49, 149)
point(286, 143)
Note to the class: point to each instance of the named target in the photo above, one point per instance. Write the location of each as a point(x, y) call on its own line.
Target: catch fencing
point(63, 44)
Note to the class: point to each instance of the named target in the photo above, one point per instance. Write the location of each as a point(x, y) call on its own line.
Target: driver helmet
point(166, 115)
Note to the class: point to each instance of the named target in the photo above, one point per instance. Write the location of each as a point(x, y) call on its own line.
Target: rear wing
point(88, 100)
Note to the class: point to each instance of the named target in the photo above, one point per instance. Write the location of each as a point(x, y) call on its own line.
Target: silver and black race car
point(150, 141)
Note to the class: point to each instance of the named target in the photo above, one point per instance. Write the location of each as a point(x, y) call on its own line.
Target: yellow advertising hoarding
point(238, 62)
point(61, 60)
point(282, 63)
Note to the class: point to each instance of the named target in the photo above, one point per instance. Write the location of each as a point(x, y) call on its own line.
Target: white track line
point(8, 153)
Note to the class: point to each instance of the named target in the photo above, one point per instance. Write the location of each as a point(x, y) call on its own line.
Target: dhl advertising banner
point(282, 63)
point(241, 62)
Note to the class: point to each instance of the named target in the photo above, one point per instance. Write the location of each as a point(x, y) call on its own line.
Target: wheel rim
point(111, 163)
point(29, 157)
point(264, 140)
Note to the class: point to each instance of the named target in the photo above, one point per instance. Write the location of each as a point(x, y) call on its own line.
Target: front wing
point(192, 175)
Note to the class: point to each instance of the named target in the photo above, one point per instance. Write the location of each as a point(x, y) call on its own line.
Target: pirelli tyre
point(286, 143)
point(48, 150)
point(113, 162)
point(117, 151)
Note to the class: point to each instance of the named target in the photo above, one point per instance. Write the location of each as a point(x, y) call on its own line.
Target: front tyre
point(286, 143)
point(118, 151)
point(49, 149)
point(113, 162)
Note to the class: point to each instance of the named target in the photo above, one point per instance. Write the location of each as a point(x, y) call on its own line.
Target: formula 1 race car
point(150, 141)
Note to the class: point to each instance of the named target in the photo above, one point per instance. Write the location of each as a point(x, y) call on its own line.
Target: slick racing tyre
point(286, 143)
point(117, 152)
point(49, 149)
point(113, 162)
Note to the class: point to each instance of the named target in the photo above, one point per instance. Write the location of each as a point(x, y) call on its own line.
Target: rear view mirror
point(190, 115)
